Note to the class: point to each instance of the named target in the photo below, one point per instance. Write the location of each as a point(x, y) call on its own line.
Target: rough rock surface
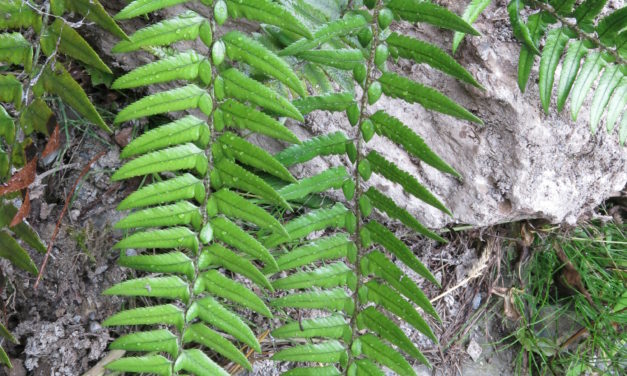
point(521, 164)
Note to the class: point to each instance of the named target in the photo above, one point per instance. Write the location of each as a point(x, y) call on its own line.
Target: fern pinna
point(33, 48)
point(351, 272)
point(199, 215)
point(588, 41)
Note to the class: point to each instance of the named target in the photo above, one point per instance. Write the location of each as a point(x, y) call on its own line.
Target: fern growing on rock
point(350, 271)
point(33, 48)
point(587, 42)
point(200, 214)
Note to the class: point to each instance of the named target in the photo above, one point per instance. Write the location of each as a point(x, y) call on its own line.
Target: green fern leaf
point(36, 116)
point(186, 129)
point(472, 12)
point(213, 313)
point(418, 11)
point(537, 27)
point(241, 87)
point(186, 66)
point(396, 86)
point(587, 76)
point(21, 230)
point(161, 340)
point(141, 7)
point(166, 314)
point(325, 352)
point(269, 13)
point(10, 90)
point(331, 178)
point(172, 262)
point(609, 80)
point(586, 13)
point(397, 132)
point(229, 233)
point(153, 364)
point(217, 284)
point(377, 264)
point(608, 28)
point(423, 52)
point(373, 348)
point(389, 207)
point(184, 187)
point(381, 235)
point(61, 83)
point(335, 299)
point(14, 49)
point(233, 113)
point(345, 59)
point(183, 157)
point(252, 155)
point(323, 249)
point(394, 303)
point(217, 255)
point(12, 251)
point(198, 363)
point(186, 26)
point(521, 31)
point(181, 213)
point(4, 333)
point(570, 67)
point(331, 327)
point(201, 334)
point(158, 287)
point(367, 367)
point(380, 324)
point(4, 358)
point(315, 220)
point(394, 174)
point(67, 40)
point(93, 11)
point(18, 16)
point(329, 276)
point(348, 25)
point(313, 371)
point(329, 144)
point(551, 54)
point(617, 104)
point(234, 176)
point(160, 239)
point(179, 99)
point(235, 206)
point(333, 102)
point(242, 48)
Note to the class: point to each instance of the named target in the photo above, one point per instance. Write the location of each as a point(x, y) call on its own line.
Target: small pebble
point(474, 350)
point(476, 301)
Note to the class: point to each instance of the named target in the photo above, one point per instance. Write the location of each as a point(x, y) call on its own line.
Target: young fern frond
point(587, 46)
point(350, 272)
point(28, 36)
point(196, 220)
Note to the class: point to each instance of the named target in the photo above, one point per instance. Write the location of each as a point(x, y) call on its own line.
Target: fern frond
point(340, 272)
point(199, 247)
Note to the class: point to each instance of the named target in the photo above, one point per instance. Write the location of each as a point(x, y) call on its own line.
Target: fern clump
point(586, 41)
point(34, 47)
point(199, 216)
point(350, 272)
